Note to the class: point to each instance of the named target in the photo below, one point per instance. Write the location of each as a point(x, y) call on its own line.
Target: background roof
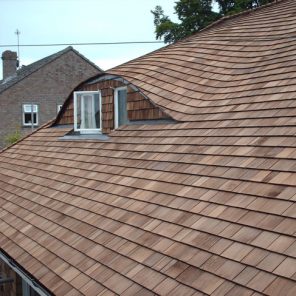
point(25, 71)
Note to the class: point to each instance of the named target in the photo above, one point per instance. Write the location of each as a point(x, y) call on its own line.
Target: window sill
point(98, 137)
point(77, 136)
point(30, 126)
point(88, 132)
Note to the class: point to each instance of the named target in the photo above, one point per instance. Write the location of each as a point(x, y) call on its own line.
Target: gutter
point(24, 275)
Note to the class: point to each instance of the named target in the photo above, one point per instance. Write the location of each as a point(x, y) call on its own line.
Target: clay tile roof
point(206, 206)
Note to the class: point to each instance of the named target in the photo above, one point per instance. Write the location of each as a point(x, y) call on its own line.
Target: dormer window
point(120, 106)
point(87, 112)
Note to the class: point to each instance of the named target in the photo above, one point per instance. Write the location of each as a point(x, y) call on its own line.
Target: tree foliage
point(194, 15)
point(235, 6)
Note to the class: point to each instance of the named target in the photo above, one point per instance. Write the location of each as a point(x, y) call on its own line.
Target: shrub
point(13, 137)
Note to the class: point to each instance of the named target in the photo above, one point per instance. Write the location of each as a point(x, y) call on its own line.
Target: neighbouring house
point(172, 174)
point(37, 91)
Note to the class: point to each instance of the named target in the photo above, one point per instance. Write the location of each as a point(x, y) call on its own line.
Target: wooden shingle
point(204, 206)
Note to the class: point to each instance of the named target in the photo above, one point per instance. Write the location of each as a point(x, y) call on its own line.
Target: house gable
point(26, 71)
point(46, 85)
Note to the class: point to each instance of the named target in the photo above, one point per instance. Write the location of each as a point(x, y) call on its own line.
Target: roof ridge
point(235, 15)
point(43, 62)
point(86, 59)
point(57, 54)
point(215, 23)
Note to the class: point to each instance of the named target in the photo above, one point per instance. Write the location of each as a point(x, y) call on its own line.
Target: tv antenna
point(17, 32)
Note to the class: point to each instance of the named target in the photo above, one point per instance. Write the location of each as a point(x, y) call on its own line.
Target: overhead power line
point(82, 43)
point(231, 39)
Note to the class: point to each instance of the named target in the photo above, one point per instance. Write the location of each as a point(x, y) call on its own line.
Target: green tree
point(235, 6)
point(194, 15)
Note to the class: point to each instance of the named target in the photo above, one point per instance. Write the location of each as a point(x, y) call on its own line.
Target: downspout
point(31, 282)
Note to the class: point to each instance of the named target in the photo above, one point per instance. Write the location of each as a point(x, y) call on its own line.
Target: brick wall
point(47, 87)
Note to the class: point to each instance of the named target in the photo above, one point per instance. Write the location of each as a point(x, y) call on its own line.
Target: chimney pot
point(9, 59)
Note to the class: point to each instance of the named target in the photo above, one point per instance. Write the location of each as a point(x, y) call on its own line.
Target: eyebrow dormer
point(106, 103)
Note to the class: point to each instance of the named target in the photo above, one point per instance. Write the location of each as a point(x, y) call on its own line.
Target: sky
point(78, 21)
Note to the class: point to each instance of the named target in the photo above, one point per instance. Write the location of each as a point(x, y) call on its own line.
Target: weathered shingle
point(205, 206)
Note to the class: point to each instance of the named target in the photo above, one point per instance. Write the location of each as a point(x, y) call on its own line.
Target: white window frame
point(116, 117)
point(37, 114)
point(86, 131)
point(59, 107)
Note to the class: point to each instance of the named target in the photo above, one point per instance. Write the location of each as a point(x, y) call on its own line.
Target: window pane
point(97, 110)
point(88, 113)
point(28, 118)
point(78, 112)
point(122, 108)
point(28, 108)
point(35, 118)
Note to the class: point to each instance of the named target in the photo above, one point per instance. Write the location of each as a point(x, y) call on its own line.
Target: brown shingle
point(287, 268)
point(202, 206)
point(260, 281)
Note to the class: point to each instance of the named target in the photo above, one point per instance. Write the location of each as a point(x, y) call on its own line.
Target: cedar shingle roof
point(240, 68)
point(25, 71)
point(202, 207)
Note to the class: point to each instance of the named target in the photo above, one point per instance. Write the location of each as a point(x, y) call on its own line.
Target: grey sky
point(73, 21)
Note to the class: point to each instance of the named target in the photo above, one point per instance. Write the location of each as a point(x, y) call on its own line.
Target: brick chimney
point(9, 63)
